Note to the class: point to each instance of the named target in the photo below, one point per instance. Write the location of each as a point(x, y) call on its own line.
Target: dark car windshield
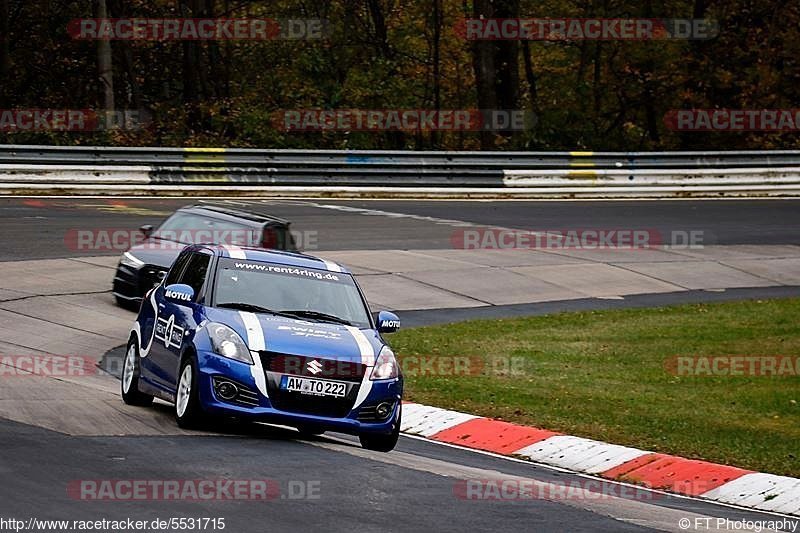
point(307, 293)
point(191, 228)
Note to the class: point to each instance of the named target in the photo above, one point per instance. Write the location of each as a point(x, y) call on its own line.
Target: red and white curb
point(726, 484)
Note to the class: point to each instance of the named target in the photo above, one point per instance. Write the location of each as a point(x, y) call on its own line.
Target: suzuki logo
point(315, 367)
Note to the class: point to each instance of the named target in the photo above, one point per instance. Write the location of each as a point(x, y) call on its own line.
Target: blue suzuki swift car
point(268, 336)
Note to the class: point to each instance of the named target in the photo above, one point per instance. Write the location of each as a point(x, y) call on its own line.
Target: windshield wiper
point(251, 307)
point(319, 316)
point(290, 314)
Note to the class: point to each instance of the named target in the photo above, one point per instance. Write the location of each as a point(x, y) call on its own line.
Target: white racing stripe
point(256, 342)
point(144, 352)
point(367, 358)
point(364, 390)
point(364, 346)
point(255, 334)
point(234, 251)
point(330, 265)
point(258, 374)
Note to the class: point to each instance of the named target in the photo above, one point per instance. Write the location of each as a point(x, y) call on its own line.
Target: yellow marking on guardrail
point(209, 178)
point(204, 155)
point(195, 156)
point(582, 174)
point(573, 163)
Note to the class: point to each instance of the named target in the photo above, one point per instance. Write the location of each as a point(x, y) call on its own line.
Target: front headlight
point(228, 343)
point(386, 365)
point(130, 260)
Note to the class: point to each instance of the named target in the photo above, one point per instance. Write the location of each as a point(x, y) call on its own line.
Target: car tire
point(188, 412)
point(382, 443)
point(131, 370)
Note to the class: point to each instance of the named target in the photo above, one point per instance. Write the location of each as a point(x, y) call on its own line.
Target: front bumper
point(255, 405)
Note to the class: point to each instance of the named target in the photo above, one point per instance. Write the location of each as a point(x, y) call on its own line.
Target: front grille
point(276, 365)
point(297, 365)
point(247, 397)
point(149, 276)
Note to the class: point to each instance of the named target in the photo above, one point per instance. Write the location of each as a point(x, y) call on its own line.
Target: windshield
point(189, 228)
point(307, 293)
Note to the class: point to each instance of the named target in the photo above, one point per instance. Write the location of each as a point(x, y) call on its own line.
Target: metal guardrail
point(110, 170)
point(61, 155)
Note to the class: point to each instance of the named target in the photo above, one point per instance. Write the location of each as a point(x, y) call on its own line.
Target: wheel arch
point(188, 351)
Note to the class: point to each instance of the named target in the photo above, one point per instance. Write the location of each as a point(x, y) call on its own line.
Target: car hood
point(157, 252)
point(300, 337)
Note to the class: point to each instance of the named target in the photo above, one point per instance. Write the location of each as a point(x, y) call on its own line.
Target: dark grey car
point(146, 263)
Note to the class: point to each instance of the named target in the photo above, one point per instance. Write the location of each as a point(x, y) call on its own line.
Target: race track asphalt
point(413, 488)
point(326, 484)
point(35, 228)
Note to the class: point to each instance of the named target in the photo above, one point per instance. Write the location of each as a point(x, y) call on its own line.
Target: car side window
point(278, 237)
point(177, 269)
point(195, 273)
point(273, 237)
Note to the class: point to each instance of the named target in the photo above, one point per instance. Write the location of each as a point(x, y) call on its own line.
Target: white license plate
point(317, 387)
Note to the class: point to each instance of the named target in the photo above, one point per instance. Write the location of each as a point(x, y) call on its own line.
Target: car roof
point(255, 212)
point(280, 257)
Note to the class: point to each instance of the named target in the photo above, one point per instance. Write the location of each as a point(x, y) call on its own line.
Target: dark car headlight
point(228, 343)
point(130, 260)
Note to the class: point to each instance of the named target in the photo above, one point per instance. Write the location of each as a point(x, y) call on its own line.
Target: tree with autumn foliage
point(387, 54)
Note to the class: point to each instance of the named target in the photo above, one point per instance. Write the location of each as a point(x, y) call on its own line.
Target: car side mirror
point(179, 293)
point(146, 230)
point(388, 322)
